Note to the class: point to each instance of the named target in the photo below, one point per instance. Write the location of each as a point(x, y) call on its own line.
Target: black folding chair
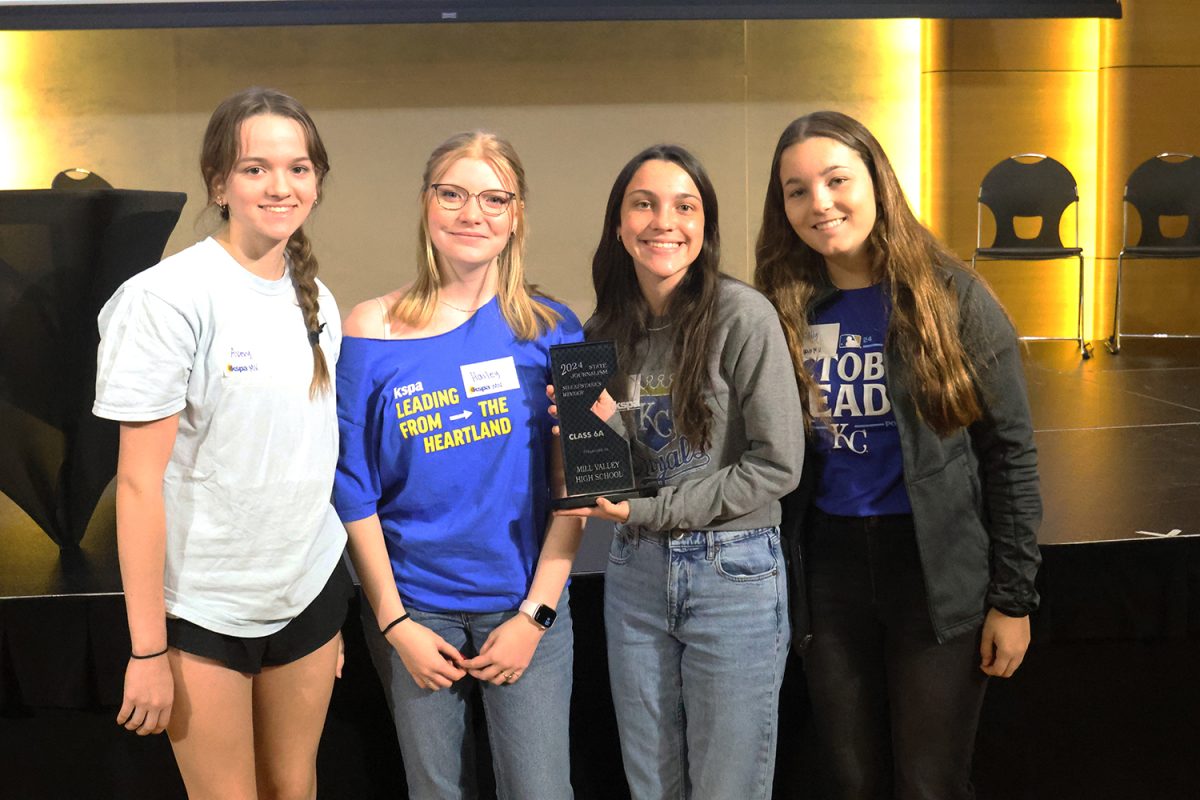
point(1031, 185)
point(79, 178)
point(1167, 185)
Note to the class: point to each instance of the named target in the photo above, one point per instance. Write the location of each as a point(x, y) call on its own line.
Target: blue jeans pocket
point(621, 548)
point(754, 558)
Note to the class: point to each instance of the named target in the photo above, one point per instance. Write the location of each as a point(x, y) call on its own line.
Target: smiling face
point(829, 199)
point(466, 239)
point(662, 226)
point(272, 186)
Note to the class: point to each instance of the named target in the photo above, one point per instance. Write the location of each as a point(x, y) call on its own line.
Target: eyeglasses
point(492, 202)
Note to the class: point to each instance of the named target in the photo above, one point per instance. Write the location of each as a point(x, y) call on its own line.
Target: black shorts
point(306, 633)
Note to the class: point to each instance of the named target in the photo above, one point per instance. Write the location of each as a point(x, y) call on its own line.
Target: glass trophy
point(593, 401)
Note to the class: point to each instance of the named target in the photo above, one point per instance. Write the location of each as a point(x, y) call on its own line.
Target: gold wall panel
point(1040, 296)
point(1101, 96)
point(868, 69)
point(996, 88)
point(984, 117)
point(577, 100)
point(1149, 103)
point(465, 65)
point(1153, 33)
point(1042, 45)
point(978, 119)
point(1158, 297)
point(946, 98)
point(1149, 110)
point(58, 96)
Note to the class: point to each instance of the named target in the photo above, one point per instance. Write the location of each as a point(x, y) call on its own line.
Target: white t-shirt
point(251, 534)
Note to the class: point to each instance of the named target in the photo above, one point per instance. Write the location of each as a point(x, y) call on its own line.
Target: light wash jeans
point(698, 633)
point(527, 721)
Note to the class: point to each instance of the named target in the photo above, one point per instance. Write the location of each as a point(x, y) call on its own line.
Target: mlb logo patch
point(850, 341)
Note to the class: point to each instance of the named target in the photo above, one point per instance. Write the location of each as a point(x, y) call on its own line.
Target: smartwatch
point(544, 616)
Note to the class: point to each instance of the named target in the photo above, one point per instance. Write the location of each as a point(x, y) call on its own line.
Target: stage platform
point(1118, 440)
point(1102, 708)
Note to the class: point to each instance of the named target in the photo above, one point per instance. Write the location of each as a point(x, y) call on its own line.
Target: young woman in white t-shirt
point(218, 364)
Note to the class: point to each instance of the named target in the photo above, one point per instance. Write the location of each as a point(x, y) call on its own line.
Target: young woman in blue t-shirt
point(917, 520)
point(444, 484)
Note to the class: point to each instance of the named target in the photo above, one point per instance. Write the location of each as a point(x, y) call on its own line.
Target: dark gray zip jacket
point(974, 493)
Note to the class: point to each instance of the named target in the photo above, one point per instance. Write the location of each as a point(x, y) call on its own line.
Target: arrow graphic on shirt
point(465, 414)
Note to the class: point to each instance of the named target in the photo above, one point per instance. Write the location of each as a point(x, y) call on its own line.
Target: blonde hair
point(526, 317)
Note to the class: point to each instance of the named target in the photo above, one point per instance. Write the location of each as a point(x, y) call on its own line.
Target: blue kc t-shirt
point(861, 466)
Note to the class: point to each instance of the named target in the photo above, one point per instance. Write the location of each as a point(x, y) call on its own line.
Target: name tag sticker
point(822, 341)
point(490, 377)
point(239, 360)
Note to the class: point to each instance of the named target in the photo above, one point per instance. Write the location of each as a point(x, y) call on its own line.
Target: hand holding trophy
point(591, 398)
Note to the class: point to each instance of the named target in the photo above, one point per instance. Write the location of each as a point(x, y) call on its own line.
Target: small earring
point(618, 237)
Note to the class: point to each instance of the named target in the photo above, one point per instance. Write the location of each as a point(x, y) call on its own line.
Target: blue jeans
point(698, 633)
point(527, 721)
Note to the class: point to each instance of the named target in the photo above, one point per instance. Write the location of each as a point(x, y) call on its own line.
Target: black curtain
point(62, 255)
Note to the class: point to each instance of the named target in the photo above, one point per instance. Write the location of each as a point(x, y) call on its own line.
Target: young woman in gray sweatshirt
point(695, 592)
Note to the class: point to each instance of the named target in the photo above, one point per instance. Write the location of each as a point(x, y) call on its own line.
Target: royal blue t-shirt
point(862, 468)
point(447, 439)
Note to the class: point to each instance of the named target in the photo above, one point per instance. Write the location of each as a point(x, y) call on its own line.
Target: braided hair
point(219, 154)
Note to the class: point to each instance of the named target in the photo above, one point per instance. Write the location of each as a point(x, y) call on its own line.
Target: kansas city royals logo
point(663, 455)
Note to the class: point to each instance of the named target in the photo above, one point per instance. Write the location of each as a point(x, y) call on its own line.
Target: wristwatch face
point(544, 616)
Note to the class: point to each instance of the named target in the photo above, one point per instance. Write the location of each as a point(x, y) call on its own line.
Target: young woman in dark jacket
point(916, 520)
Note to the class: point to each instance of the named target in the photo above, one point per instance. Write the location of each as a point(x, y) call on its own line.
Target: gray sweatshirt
point(757, 426)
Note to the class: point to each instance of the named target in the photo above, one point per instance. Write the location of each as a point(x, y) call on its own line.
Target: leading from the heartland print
point(445, 480)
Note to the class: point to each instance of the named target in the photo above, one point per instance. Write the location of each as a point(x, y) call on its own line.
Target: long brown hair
point(622, 313)
point(526, 317)
point(219, 154)
point(924, 318)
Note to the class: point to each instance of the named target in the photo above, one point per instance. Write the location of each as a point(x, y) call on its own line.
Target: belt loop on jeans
point(710, 545)
point(637, 534)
